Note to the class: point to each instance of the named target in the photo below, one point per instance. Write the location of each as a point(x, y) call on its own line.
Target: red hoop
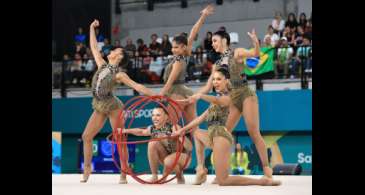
point(121, 139)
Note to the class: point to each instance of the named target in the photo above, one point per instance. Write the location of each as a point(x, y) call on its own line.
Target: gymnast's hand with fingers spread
point(209, 10)
point(253, 36)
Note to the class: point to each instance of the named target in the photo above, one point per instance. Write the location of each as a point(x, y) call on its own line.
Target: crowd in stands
point(293, 41)
point(291, 38)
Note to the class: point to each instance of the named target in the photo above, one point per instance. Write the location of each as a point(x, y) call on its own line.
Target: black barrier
point(287, 169)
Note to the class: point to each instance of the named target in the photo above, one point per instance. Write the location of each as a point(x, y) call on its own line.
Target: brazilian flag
point(260, 65)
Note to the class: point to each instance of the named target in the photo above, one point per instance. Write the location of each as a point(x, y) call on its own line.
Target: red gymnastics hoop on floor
point(133, 106)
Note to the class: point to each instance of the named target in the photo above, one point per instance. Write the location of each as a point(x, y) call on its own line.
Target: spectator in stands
point(88, 64)
point(302, 20)
point(155, 46)
point(292, 21)
point(207, 70)
point(80, 37)
point(209, 59)
point(278, 23)
point(284, 56)
point(212, 55)
point(303, 57)
point(117, 44)
point(308, 29)
point(88, 52)
point(273, 36)
point(130, 48)
point(131, 68)
point(200, 57)
point(196, 43)
point(126, 62)
point(289, 35)
point(76, 70)
point(141, 66)
point(147, 60)
point(196, 65)
point(200, 63)
point(80, 48)
point(107, 47)
point(142, 48)
point(66, 63)
point(166, 45)
point(267, 41)
point(239, 161)
point(299, 36)
point(155, 69)
point(139, 60)
point(208, 42)
point(66, 59)
point(286, 31)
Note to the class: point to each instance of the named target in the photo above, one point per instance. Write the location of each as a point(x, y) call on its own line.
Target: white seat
point(234, 37)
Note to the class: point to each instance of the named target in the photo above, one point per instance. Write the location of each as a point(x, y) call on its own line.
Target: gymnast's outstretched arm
point(224, 100)
point(193, 123)
point(122, 77)
point(204, 13)
point(94, 44)
point(138, 131)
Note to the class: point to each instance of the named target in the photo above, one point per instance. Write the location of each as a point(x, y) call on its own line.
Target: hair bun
point(225, 66)
point(184, 34)
point(222, 29)
point(224, 70)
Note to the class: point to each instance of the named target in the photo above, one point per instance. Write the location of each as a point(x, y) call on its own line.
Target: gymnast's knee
point(222, 180)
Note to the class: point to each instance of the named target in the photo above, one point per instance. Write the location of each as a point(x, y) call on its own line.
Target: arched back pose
point(104, 103)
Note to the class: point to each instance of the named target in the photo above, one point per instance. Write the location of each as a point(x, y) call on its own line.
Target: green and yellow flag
point(265, 64)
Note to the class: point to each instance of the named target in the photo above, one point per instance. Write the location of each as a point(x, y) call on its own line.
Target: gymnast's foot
point(215, 181)
point(87, 172)
point(153, 178)
point(201, 175)
point(180, 178)
point(269, 181)
point(123, 179)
